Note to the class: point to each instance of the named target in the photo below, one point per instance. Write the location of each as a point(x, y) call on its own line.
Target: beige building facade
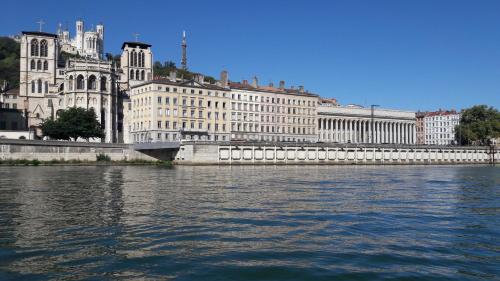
point(174, 110)
point(267, 113)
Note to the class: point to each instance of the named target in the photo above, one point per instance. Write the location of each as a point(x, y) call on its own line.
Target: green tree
point(9, 61)
point(478, 125)
point(73, 123)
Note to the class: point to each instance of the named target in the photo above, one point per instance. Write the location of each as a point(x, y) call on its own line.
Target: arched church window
point(70, 83)
point(91, 84)
point(45, 65)
point(33, 87)
point(39, 82)
point(137, 75)
point(135, 59)
point(142, 75)
point(43, 48)
point(34, 47)
point(142, 60)
point(79, 82)
point(38, 65)
point(131, 74)
point(103, 83)
point(46, 88)
point(32, 65)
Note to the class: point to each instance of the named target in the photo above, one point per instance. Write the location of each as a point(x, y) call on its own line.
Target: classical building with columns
point(356, 124)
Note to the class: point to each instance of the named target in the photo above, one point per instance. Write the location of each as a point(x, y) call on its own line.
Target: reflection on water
point(249, 223)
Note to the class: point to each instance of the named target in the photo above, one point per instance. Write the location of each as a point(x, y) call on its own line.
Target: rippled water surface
point(250, 223)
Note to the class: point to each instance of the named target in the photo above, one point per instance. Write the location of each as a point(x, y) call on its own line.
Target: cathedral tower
point(79, 35)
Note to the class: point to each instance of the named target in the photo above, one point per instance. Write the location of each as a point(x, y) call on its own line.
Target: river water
point(250, 223)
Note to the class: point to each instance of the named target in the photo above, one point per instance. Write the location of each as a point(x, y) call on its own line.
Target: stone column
point(414, 131)
point(391, 136)
point(363, 131)
point(386, 132)
point(396, 133)
point(377, 130)
point(408, 139)
point(336, 131)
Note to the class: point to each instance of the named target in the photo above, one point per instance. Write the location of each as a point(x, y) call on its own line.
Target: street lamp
point(372, 107)
point(26, 105)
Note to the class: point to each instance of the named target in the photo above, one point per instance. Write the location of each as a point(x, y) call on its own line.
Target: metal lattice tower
point(184, 54)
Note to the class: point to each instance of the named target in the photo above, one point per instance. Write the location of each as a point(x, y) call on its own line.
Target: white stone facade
point(48, 85)
point(354, 124)
point(86, 43)
point(439, 127)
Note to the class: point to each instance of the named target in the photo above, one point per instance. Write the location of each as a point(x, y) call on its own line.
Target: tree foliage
point(9, 61)
point(478, 125)
point(164, 69)
point(73, 123)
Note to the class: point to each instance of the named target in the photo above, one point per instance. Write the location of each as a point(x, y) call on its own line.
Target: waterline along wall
point(283, 153)
point(229, 153)
point(67, 151)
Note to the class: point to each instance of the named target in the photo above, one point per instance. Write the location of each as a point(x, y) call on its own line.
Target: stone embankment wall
point(67, 151)
point(281, 153)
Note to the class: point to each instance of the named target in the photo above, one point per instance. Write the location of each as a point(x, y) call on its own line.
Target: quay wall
point(287, 153)
point(67, 151)
point(239, 153)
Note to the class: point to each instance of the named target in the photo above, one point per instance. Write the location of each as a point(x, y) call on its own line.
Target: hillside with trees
point(9, 61)
point(163, 70)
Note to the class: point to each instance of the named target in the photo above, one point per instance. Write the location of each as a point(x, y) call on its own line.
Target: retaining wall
point(280, 153)
point(65, 150)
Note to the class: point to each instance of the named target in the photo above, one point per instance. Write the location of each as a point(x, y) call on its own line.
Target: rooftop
point(136, 44)
point(38, 33)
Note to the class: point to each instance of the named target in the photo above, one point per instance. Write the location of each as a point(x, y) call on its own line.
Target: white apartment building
point(439, 127)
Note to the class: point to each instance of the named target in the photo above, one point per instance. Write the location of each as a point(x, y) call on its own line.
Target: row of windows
point(184, 125)
point(92, 43)
point(175, 137)
point(39, 49)
point(39, 86)
point(273, 100)
point(174, 90)
point(137, 75)
point(209, 103)
point(136, 59)
point(7, 105)
point(91, 83)
point(270, 129)
point(439, 136)
point(39, 65)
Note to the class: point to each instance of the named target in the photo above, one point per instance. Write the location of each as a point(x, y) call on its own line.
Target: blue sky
point(424, 54)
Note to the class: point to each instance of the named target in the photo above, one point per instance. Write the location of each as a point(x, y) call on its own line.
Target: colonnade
point(350, 130)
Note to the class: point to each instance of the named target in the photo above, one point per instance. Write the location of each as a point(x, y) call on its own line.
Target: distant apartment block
point(439, 127)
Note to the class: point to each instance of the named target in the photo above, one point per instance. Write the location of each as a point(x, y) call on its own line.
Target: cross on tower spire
point(136, 35)
point(40, 22)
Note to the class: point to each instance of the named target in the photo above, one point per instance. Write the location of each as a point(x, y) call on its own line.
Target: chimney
point(255, 82)
point(224, 78)
point(282, 84)
point(301, 89)
point(271, 84)
point(245, 82)
point(198, 77)
point(173, 75)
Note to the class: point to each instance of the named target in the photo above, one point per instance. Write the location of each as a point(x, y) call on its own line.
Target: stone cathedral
point(57, 73)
